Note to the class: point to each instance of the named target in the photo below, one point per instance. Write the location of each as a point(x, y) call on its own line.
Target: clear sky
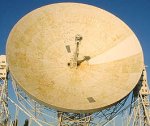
point(135, 13)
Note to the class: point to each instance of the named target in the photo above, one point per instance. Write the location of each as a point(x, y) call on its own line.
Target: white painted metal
point(4, 113)
point(45, 76)
point(139, 115)
point(108, 58)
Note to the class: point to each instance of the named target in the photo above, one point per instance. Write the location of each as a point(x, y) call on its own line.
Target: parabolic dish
point(47, 63)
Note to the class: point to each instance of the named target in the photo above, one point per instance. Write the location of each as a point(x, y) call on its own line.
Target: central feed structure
point(74, 57)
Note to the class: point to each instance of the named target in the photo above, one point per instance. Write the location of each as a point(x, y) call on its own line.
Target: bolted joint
point(78, 38)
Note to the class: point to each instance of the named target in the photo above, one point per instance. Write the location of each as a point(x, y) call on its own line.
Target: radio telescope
point(74, 58)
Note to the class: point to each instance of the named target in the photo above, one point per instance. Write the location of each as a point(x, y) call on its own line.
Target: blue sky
point(135, 13)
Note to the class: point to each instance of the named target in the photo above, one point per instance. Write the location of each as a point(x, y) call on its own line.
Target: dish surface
point(74, 57)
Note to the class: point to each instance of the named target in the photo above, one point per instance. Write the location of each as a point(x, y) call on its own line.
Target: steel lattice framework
point(134, 114)
point(4, 113)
